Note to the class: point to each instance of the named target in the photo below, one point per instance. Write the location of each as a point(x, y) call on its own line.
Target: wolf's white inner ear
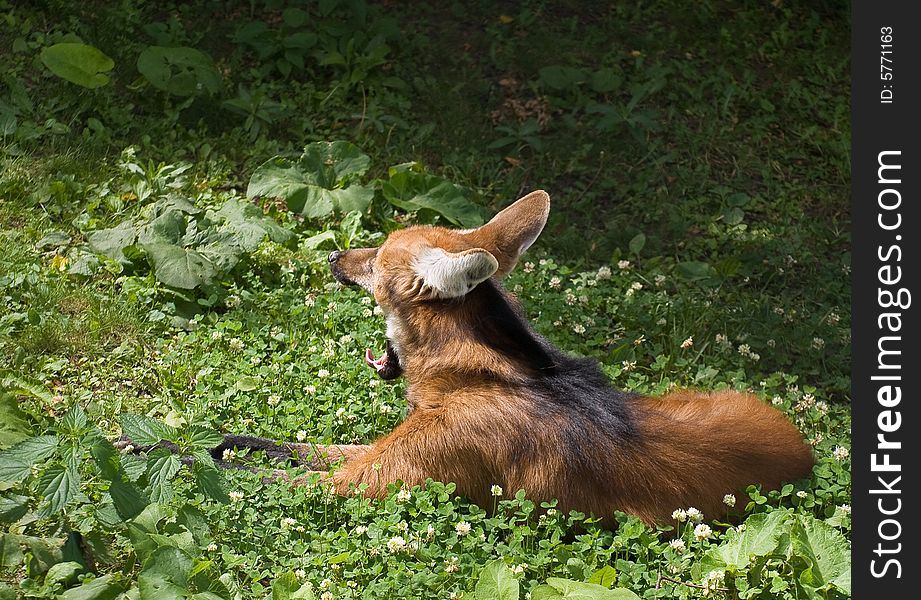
point(511, 232)
point(453, 274)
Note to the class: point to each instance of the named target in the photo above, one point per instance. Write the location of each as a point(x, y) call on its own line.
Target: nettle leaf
point(128, 499)
point(145, 431)
point(203, 437)
point(321, 182)
point(208, 478)
point(412, 190)
point(760, 538)
point(112, 242)
point(181, 71)
point(162, 466)
point(16, 462)
point(496, 582)
point(13, 508)
point(58, 485)
point(74, 420)
point(107, 587)
point(81, 64)
point(827, 551)
point(14, 427)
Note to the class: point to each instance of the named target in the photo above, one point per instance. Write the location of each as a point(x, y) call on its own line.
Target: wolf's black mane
point(563, 384)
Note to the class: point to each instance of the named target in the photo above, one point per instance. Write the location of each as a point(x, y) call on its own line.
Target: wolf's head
point(422, 273)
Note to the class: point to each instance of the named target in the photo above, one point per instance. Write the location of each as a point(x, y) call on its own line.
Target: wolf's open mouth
point(388, 365)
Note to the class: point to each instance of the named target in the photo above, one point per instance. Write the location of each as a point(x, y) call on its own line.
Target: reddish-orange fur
point(474, 406)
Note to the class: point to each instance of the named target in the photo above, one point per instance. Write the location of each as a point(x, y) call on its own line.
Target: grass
point(698, 161)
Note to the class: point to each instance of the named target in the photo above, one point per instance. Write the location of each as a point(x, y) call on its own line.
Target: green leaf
point(496, 582)
point(577, 590)
point(760, 538)
point(245, 225)
point(162, 466)
point(321, 182)
point(315, 241)
point(180, 267)
point(606, 80)
point(81, 64)
point(606, 576)
point(58, 485)
point(23, 386)
point(637, 243)
point(64, 573)
point(128, 499)
point(413, 190)
point(181, 71)
point(112, 242)
point(695, 270)
point(16, 462)
point(154, 586)
point(168, 228)
point(208, 478)
point(13, 507)
point(144, 431)
point(560, 77)
point(203, 437)
point(733, 215)
point(107, 587)
point(74, 420)
point(14, 427)
point(170, 563)
point(10, 551)
point(827, 551)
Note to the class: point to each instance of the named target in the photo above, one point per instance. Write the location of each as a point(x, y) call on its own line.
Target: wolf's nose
point(333, 256)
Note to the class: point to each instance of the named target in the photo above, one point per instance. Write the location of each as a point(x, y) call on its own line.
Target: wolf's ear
point(513, 230)
point(453, 274)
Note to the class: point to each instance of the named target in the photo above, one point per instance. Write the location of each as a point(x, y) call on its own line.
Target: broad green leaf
point(128, 499)
point(315, 241)
point(320, 182)
point(107, 587)
point(13, 507)
point(74, 420)
point(168, 228)
point(695, 270)
point(10, 551)
point(606, 80)
point(155, 586)
point(14, 427)
point(496, 582)
point(58, 485)
point(144, 431)
point(179, 267)
point(64, 573)
point(181, 71)
point(162, 466)
point(23, 386)
point(561, 78)
point(606, 576)
point(637, 243)
point(246, 225)
point(760, 538)
point(208, 478)
point(248, 383)
point(82, 64)
point(112, 242)
point(827, 551)
point(203, 437)
point(16, 462)
point(412, 190)
point(577, 590)
point(733, 215)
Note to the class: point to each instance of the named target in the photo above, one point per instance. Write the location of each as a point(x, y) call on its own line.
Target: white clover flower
point(840, 453)
point(366, 300)
point(729, 500)
point(623, 264)
point(300, 573)
point(555, 282)
point(326, 583)
point(702, 531)
point(346, 339)
point(403, 495)
point(636, 286)
point(236, 344)
point(309, 301)
point(235, 496)
point(519, 569)
point(396, 544)
point(776, 400)
point(288, 522)
point(217, 334)
point(310, 389)
point(378, 310)
point(712, 581)
point(680, 515)
point(128, 449)
point(695, 515)
point(688, 342)
point(677, 545)
point(604, 273)
point(462, 528)
point(661, 322)
point(301, 435)
point(430, 533)
point(327, 595)
point(628, 365)
point(212, 547)
point(451, 568)
point(323, 373)
point(801, 494)
point(366, 313)
point(745, 350)
point(722, 338)
point(232, 301)
point(639, 340)
point(256, 360)
point(528, 267)
point(845, 508)
point(386, 409)
point(578, 328)
point(273, 400)
point(361, 530)
point(228, 454)
point(818, 343)
point(340, 411)
point(495, 490)
point(659, 280)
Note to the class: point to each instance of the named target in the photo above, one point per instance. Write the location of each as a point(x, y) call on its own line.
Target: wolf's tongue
point(377, 363)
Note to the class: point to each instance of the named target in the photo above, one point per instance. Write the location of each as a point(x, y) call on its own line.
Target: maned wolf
point(492, 402)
